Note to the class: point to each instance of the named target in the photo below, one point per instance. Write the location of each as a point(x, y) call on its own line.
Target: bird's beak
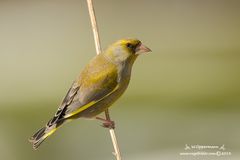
point(142, 49)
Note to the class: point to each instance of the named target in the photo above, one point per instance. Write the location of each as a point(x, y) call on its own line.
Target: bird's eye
point(130, 46)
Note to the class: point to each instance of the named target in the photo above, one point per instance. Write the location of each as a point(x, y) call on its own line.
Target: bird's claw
point(108, 124)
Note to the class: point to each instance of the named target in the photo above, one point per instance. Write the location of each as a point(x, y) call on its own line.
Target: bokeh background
point(187, 91)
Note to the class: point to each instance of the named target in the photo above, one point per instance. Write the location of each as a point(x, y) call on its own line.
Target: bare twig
point(107, 115)
point(113, 137)
point(94, 26)
point(98, 50)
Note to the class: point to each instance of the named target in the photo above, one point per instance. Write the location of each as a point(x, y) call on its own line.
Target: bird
point(103, 80)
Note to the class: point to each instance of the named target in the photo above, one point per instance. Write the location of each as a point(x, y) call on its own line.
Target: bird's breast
point(124, 76)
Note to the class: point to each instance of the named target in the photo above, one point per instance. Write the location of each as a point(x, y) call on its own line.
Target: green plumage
point(100, 84)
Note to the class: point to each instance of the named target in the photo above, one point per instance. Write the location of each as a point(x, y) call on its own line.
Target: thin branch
point(107, 115)
point(94, 26)
point(113, 137)
point(98, 50)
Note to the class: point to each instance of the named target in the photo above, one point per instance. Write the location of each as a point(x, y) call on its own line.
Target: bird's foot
point(107, 123)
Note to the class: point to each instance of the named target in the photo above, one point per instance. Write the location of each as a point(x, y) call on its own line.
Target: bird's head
point(126, 50)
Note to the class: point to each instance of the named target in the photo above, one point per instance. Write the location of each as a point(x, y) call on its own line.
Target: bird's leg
point(106, 123)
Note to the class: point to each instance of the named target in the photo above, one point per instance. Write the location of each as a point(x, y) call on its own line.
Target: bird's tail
point(42, 134)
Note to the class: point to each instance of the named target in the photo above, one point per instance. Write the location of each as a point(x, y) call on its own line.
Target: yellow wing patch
point(82, 108)
point(49, 133)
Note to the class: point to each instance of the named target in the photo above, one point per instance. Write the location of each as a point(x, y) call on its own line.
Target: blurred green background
point(187, 91)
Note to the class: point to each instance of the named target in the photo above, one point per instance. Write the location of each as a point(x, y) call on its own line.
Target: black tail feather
point(38, 137)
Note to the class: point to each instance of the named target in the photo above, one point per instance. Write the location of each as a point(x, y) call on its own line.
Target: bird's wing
point(65, 103)
point(97, 81)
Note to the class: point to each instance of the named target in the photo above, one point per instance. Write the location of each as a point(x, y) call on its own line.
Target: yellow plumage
point(99, 85)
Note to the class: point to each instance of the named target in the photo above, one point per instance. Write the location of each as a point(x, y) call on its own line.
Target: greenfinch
point(98, 86)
